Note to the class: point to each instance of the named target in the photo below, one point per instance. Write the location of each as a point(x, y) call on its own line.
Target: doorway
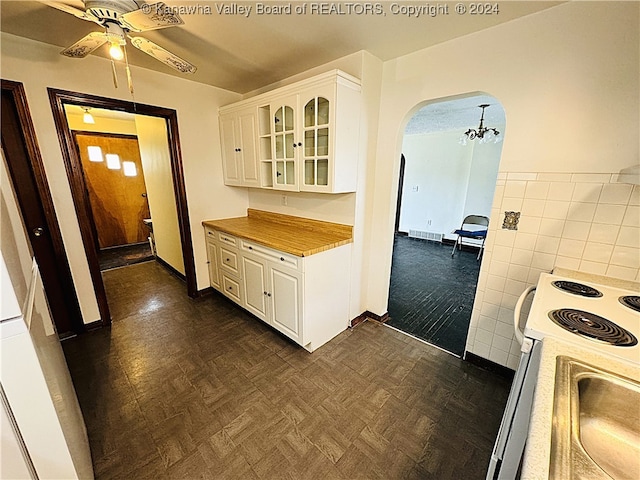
point(165, 140)
point(27, 183)
point(446, 176)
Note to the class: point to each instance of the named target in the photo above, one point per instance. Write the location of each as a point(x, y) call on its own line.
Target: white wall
point(39, 66)
point(569, 84)
point(156, 165)
point(436, 177)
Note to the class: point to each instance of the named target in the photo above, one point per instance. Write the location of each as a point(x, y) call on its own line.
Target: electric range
point(600, 317)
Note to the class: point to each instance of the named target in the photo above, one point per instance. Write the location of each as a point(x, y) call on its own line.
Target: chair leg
point(481, 250)
point(455, 244)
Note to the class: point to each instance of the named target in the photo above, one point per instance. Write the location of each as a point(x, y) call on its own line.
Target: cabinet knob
point(268, 294)
point(250, 247)
point(265, 293)
point(227, 260)
point(299, 144)
point(295, 144)
point(230, 289)
point(282, 259)
point(208, 263)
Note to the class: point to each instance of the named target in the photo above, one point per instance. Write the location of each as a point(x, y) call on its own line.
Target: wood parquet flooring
point(198, 389)
point(431, 293)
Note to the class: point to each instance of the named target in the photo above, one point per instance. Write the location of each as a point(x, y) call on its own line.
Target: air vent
point(432, 236)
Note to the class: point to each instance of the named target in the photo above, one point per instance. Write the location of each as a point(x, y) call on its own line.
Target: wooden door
point(29, 183)
point(118, 201)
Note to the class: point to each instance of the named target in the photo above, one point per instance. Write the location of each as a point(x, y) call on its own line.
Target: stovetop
point(599, 308)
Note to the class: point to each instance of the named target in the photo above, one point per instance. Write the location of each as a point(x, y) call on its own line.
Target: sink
point(596, 423)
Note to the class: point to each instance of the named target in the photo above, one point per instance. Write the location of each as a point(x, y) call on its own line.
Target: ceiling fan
point(119, 17)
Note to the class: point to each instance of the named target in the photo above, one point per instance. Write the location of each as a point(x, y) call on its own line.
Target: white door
point(256, 294)
point(286, 301)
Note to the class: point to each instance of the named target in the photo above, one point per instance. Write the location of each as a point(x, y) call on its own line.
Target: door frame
point(61, 271)
point(58, 99)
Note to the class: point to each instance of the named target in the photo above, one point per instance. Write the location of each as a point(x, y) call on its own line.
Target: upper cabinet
point(238, 137)
point(306, 137)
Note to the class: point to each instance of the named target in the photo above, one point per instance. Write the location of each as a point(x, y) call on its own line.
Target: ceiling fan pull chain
point(126, 63)
point(113, 71)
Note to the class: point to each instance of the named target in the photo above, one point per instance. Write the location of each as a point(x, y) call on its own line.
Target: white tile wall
point(584, 222)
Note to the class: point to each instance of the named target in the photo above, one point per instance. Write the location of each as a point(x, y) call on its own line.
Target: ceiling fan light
point(116, 51)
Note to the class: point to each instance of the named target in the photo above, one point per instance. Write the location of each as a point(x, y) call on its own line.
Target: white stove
point(562, 305)
point(597, 309)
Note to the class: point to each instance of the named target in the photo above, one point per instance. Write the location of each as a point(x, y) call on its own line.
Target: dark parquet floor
point(116, 257)
point(431, 294)
point(198, 389)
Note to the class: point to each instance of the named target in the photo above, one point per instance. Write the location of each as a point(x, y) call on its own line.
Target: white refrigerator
point(42, 432)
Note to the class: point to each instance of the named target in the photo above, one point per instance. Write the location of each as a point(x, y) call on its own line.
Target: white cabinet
point(305, 298)
point(273, 292)
point(307, 136)
point(212, 261)
point(238, 136)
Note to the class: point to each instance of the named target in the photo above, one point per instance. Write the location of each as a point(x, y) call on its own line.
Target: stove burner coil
point(593, 326)
point(631, 301)
point(577, 288)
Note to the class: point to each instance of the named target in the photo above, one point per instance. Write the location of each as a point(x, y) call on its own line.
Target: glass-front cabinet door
point(285, 144)
point(316, 142)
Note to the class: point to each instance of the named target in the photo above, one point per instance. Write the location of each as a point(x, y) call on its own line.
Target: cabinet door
point(285, 143)
point(254, 274)
point(230, 167)
point(286, 301)
point(247, 153)
point(212, 257)
point(317, 108)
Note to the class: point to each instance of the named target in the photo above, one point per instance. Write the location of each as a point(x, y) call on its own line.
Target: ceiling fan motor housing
point(111, 9)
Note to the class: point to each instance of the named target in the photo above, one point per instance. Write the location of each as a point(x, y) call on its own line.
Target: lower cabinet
point(273, 293)
point(305, 298)
point(212, 261)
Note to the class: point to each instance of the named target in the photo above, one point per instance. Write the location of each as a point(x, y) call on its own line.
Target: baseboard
point(205, 291)
point(486, 364)
point(367, 315)
point(94, 325)
point(171, 269)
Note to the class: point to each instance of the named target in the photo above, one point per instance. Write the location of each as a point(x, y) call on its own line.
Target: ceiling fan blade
point(76, 12)
point(85, 46)
point(163, 55)
point(150, 17)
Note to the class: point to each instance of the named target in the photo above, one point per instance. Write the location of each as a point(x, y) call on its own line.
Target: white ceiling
point(243, 54)
point(461, 113)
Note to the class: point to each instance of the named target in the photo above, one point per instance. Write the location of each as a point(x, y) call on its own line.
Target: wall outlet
point(283, 200)
point(415, 188)
point(428, 222)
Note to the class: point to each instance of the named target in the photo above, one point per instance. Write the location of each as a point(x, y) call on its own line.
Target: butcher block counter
point(297, 236)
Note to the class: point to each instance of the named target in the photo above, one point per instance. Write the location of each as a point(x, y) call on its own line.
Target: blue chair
point(472, 227)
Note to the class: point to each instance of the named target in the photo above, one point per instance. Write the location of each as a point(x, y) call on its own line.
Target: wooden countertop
point(295, 235)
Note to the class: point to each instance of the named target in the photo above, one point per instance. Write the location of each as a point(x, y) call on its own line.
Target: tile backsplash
point(585, 222)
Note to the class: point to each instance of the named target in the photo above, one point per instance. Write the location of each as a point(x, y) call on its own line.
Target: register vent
point(433, 236)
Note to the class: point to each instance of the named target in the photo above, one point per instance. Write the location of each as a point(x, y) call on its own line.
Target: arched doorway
point(447, 176)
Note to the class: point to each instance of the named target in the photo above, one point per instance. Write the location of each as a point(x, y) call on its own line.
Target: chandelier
point(483, 133)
